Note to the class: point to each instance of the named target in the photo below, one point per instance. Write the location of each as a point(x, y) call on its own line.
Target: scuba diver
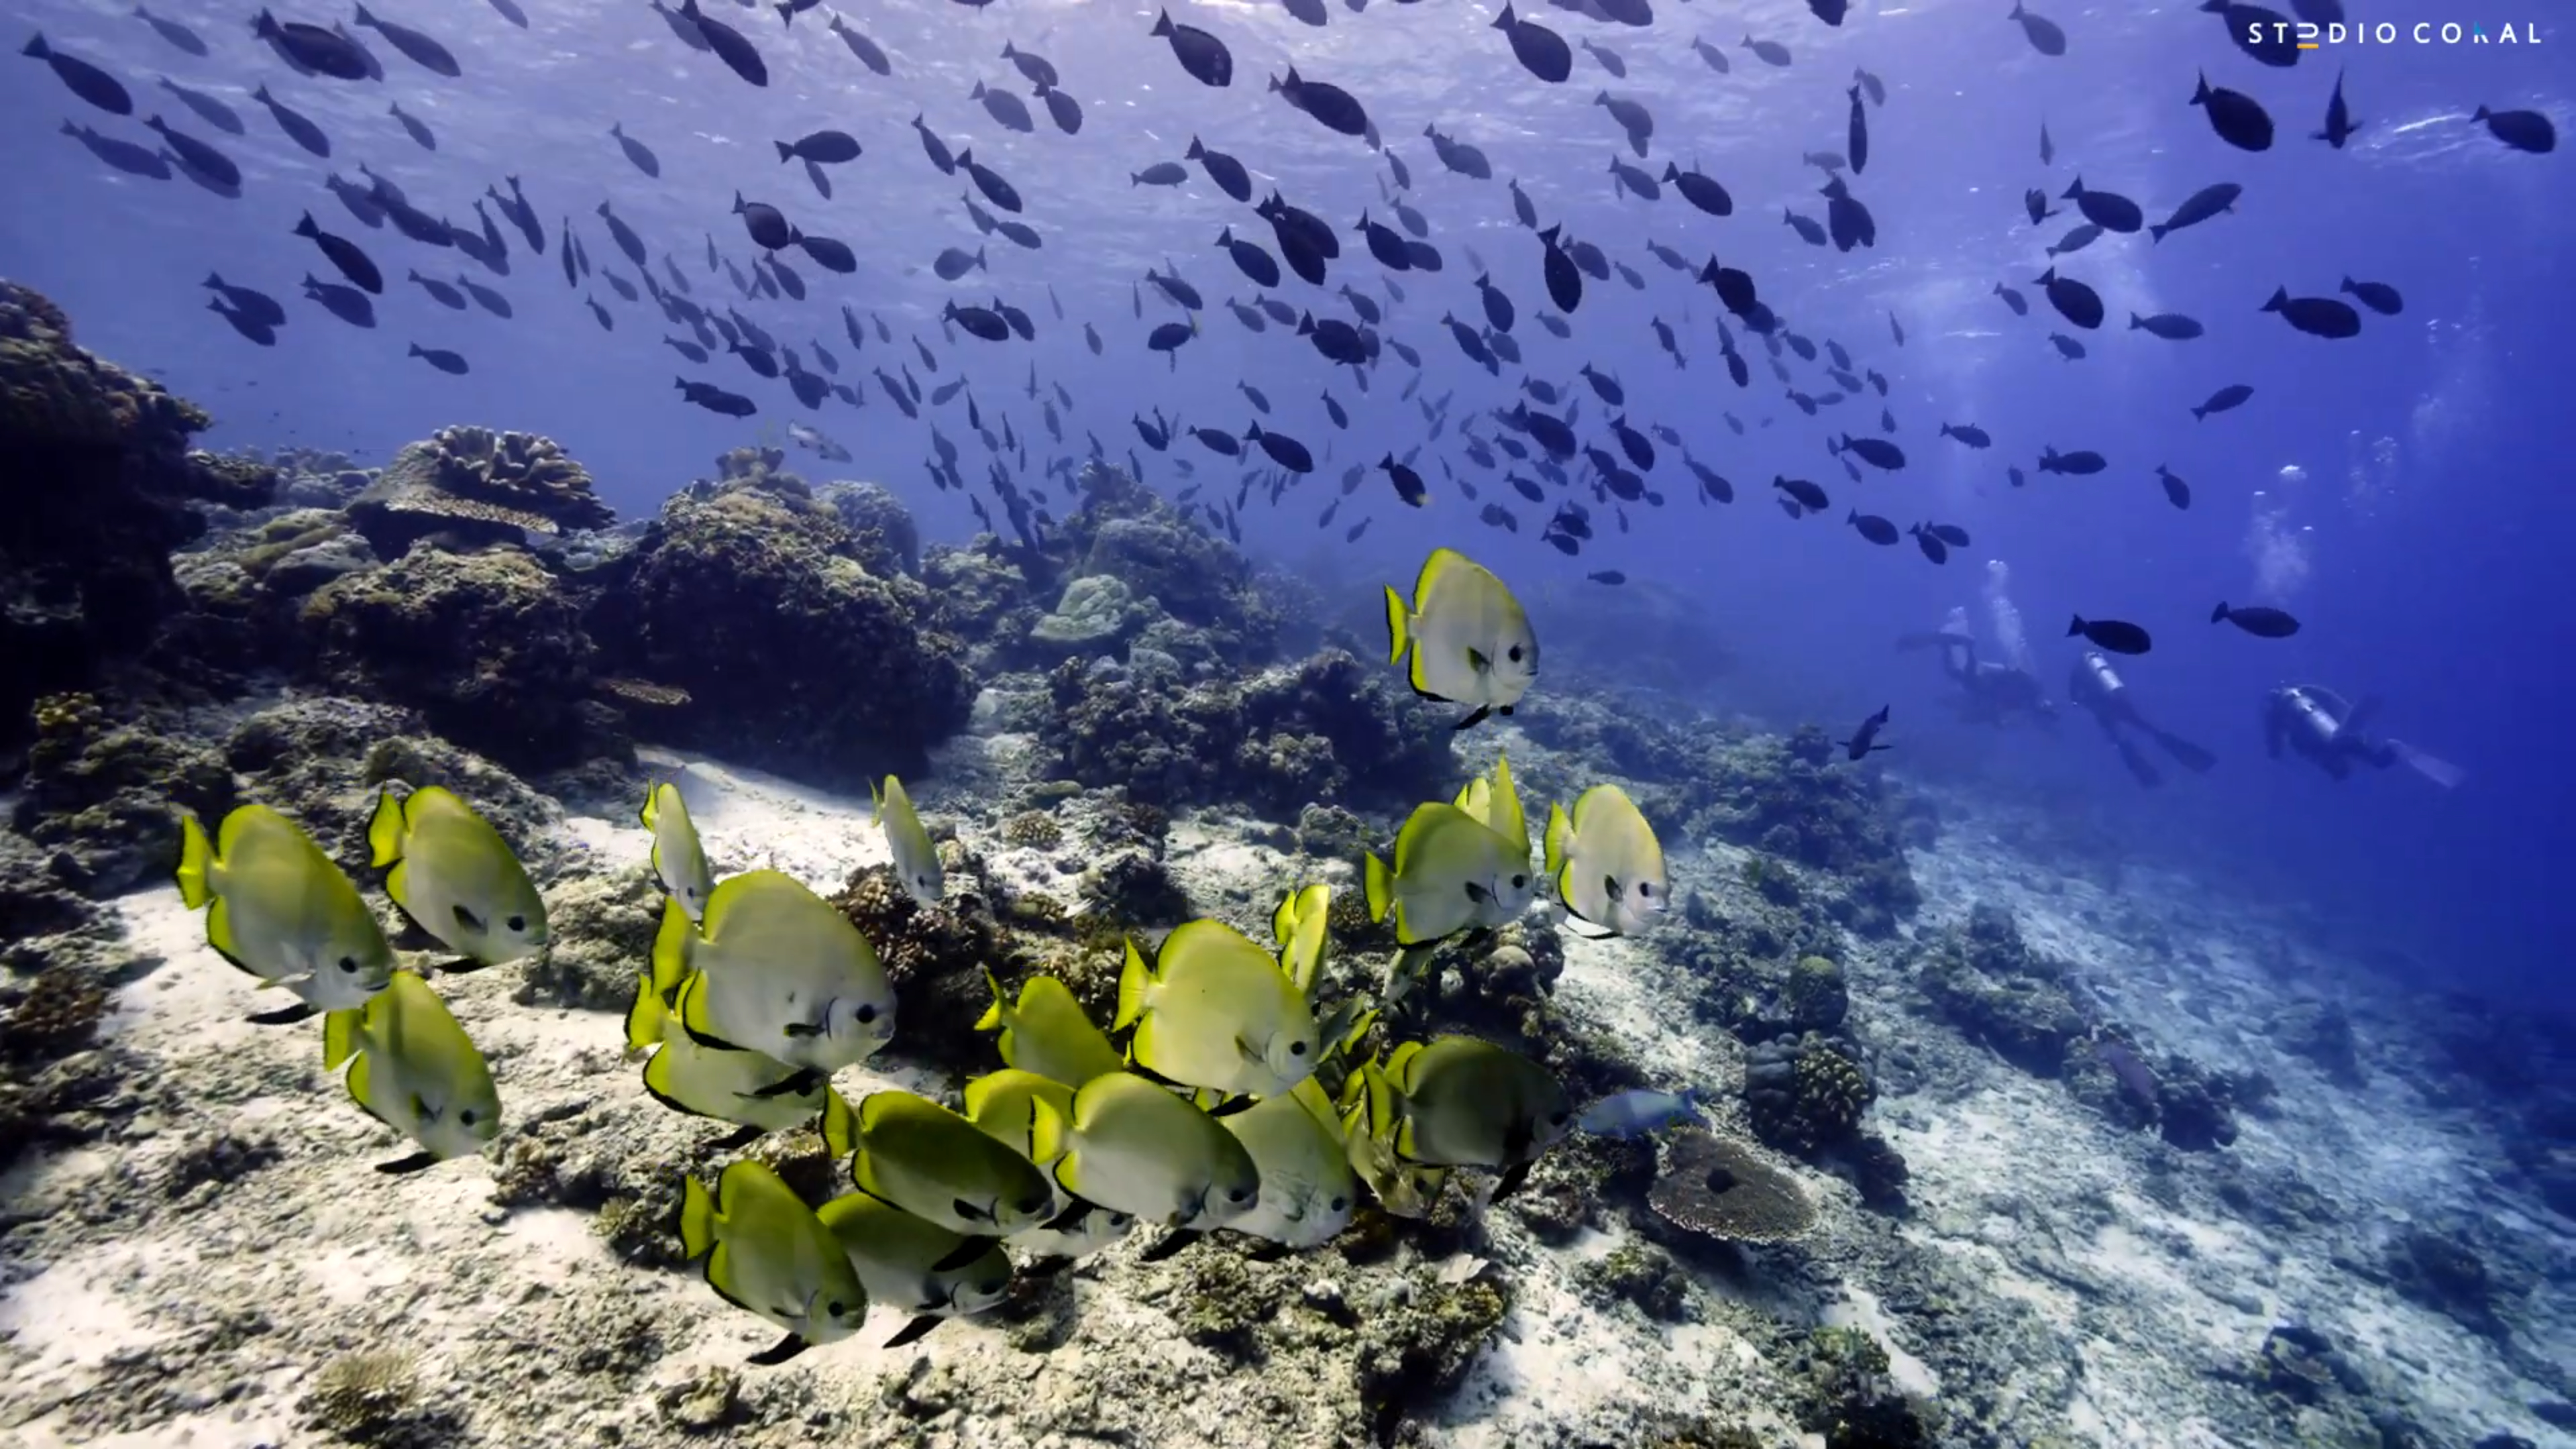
point(2320, 726)
point(2098, 688)
point(1990, 691)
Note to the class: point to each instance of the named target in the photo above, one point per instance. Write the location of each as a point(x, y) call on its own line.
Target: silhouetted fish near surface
point(1968, 433)
point(2259, 620)
point(213, 112)
point(197, 156)
point(2317, 316)
point(2115, 635)
point(2379, 297)
point(2177, 492)
point(419, 49)
point(312, 49)
point(1541, 51)
point(2074, 301)
point(440, 358)
point(346, 303)
point(2171, 326)
point(2013, 299)
point(2529, 131)
point(2079, 463)
point(739, 55)
point(249, 327)
point(176, 34)
point(2108, 210)
point(85, 80)
point(2339, 122)
point(2042, 33)
point(2238, 118)
point(344, 254)
point(2226, 399)
point(297, 128)
point(1201, 54)
point(1872, 527)
point(870, 54)
point(2200, 206)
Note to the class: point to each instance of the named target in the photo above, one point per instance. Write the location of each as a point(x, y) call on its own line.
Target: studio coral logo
point(2421, 32)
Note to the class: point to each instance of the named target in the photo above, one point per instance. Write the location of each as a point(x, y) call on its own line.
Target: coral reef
point(488, 646)
point(99, 796)
point(466, 486)
point(1326, 730)
point(94, 481)
point(1987, 982)
point(794, 655)
point(1853, 1403)
point(883, 537)
point(1721, 1189)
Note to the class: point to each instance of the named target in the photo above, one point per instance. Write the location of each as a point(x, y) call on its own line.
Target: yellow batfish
point(767, 1253)
point(1451, 874)
point(774, 969)
point(1461, 1102)
point(282, 911)
point(1214, 1010)
point(1607, 866)
point(1308, 1191)
point(414, 1069)
point(679, 861)
point(939, 1166)
point(916, 860)
point(455, 877)
point(757, 1093)
point(1470, 641)
point(1047, 1032)
point(899, 1258)
point(1004, 1105)
point(1133, 1146)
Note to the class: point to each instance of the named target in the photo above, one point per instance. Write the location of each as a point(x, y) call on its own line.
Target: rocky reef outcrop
point(795, 655)
point(95, 482)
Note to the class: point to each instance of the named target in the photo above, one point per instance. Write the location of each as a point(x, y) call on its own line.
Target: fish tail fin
point(1047, 1131)
point(1133, 979)
point(385, 831)
point(196, 858)
point(840, 1125)
point(671, 948)
point(697, 1217)
point(645, 1017)
point(2218, 613)
point(992, 1017)
point(1560, 834)
point(786, 153)
point(1398, 617)
point(340, 1036)
point(2076, 627)
point(1379, 884)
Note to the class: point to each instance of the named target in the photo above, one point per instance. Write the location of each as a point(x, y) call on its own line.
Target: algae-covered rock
point(100, 797)
point(1096, 614)
point(883, 535)
point(794, 656)
point(94, 475)
point(470, 485)
point(488, 646)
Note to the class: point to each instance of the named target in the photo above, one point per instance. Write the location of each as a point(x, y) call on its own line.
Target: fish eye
point(1236, 1194)
point(1520, 882)
point(1340, 1203)
point(1558, 1118)
point(834, 1308)
point(867, 1014)
point(466, 1116)
point(1296, 1048)
point(1515, 654)
point(348, 963)
point(518, 923)
point(1033, 1205)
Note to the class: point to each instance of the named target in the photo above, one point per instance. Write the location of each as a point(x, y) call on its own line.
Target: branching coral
point(1805, 1093)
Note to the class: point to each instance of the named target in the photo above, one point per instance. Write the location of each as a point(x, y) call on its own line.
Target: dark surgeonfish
point(84, 79)
point(419, 49)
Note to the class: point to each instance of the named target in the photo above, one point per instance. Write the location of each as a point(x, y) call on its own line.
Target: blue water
point(2422, 536)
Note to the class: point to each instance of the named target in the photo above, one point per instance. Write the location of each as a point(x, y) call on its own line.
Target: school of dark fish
point(1537, 448)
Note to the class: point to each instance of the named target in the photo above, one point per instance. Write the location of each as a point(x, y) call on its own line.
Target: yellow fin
point(644, 1018)
point(840, 1125)
point(340, 1035)
point(1398, 616)
point(196, 857)
point(671, 945)
point(385, 830)
point(1050, 1132)
point(1380, 883)
point(1560, 834)
point(1133, 979)
point(697, 1218)
point(991, 1020)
